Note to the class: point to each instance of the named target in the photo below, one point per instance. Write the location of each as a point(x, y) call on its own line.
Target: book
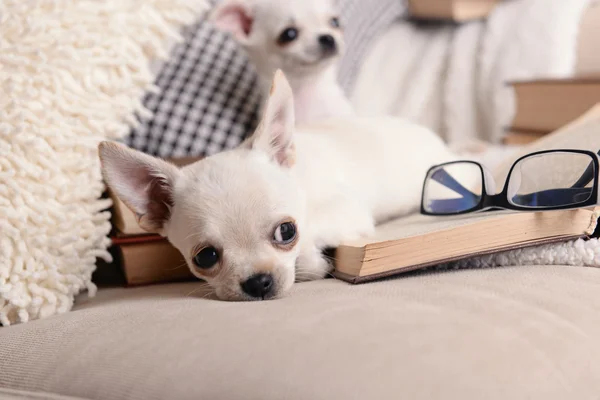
point(151, 260)
point(145, 258)
point(123, 219)
point(518, 138)
point(419, 241)
point(547, 105)
point(451, 10)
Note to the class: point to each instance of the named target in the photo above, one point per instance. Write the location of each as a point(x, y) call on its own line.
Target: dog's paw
point(312, 265)
point(341, 226)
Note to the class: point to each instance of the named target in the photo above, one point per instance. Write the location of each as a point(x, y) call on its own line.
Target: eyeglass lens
point(552, 180)
point(453, 188)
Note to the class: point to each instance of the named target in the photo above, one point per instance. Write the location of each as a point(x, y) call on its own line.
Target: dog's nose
point(259, 285)
point(327, 43)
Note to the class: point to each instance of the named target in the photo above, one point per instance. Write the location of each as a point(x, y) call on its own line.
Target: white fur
point(336, 180)
point(313, 78)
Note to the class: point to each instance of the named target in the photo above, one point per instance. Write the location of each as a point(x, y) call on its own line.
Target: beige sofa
point(503, 333)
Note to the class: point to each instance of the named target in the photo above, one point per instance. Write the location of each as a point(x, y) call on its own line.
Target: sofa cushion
point(9, 394)
point(504, 333)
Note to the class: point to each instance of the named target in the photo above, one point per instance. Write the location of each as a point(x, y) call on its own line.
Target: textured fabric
point(209, 95)
point(452, 78)
point(495, 334)
point(72, 73)
point(7, 394)
point(573, 252)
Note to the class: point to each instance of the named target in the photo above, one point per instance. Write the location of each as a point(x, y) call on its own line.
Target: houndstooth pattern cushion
point(209, 95)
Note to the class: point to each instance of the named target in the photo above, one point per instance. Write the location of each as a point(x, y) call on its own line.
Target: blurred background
point(503, 71)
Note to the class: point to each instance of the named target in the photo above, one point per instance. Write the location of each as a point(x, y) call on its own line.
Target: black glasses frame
point(500, 200)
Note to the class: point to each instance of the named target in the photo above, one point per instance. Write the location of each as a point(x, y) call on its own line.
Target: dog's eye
point(335, 22)
point(288, 35)
point(206, 258)
point(285, 233)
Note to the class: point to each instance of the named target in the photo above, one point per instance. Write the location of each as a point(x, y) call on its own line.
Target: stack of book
point(450, 10)
point(143, 257)
point(543, 106)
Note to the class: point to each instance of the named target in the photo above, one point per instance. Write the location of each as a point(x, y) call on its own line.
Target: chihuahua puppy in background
point(252, 220)
point(302, 38)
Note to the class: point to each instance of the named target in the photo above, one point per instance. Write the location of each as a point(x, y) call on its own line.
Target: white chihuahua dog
point(252, 220)
point(302, 38)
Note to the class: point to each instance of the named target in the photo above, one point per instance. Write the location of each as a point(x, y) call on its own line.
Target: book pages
point(418, 224)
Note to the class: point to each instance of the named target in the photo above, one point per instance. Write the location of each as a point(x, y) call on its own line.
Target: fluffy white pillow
point(72, 73)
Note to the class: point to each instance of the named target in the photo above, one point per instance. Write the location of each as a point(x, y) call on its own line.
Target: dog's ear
point(142, 182)
point(275, 133)
point(234, 17)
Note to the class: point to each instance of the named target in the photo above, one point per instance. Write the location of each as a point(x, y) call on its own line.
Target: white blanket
point(453, 78)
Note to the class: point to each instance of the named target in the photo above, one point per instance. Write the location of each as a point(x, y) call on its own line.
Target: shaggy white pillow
point(72, 73)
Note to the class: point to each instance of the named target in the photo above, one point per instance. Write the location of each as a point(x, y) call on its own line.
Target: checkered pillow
point(209, 94)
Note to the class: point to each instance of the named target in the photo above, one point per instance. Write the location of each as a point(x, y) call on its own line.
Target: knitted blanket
point(578, 252)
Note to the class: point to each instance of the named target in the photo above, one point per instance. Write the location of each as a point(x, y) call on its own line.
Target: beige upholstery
point(9, 394)
point(505, 333)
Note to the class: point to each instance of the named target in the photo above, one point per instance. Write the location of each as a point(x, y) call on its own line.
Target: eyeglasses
point(545, 180)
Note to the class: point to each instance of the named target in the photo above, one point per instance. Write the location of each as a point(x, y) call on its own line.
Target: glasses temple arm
point(443, 177)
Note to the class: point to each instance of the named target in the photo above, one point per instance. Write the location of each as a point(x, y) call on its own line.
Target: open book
point(419, 241)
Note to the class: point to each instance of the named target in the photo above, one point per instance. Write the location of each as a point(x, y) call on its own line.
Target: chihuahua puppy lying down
point(252, 220)
point(302, 38)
